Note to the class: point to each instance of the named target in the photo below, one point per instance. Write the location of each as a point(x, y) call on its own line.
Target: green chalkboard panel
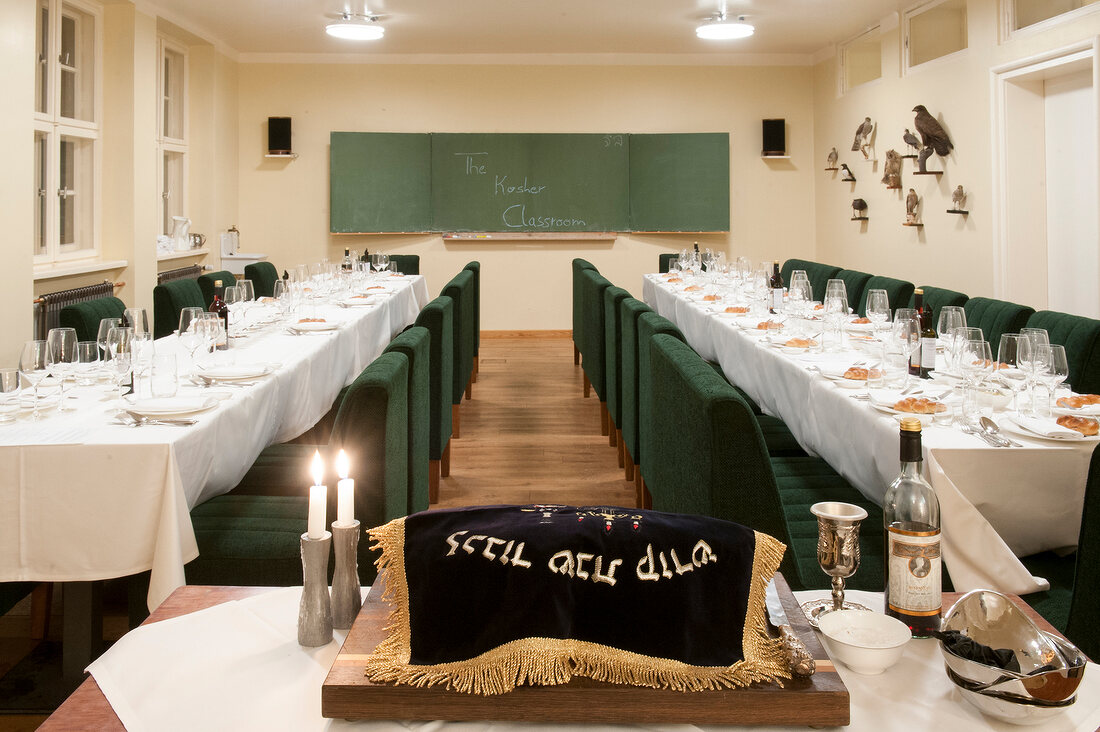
point(680, 182)
point(379, 182)
point(530, 182)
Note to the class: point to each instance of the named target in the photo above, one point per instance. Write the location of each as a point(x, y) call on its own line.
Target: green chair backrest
point(898, 293)
point(854, 283)
point(630, 309)
point(592, 345)
point(407, 263)
point(263, 276)
point(649, 325)
point(415, 344)
point(169, 299)
point(664, 259)
point(475, 268)
point(85, 316)
point(1081, 338)
point(372, 428)
point(578, 300)
point(818, 274)
point(996, 317)
point(438, 316)
point(1081, 626)
point(613, 351)
point(206, 284)
point(711, 459)
point(461, 290)
point(936, 298)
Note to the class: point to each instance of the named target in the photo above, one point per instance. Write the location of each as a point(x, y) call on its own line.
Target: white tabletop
point(996, 504)
point(82, 498)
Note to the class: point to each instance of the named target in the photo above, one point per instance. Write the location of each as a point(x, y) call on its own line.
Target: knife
point(802, 662)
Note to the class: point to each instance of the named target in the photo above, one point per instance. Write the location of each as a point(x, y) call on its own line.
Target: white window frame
point(54, 127)
point(842, 59)
point(172, 144)
point(1008, 20)
point(919, 9)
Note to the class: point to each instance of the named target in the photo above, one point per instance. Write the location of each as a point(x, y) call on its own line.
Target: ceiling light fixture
point(356, 27)
point(719, 29)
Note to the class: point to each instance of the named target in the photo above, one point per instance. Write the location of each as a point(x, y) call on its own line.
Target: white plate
point(724, 314)
point(360, 300)
point(836, 375)
point(314, 327)
point(925, 419)
point(1090, 410)
point(235, 373)
point(859, 326)
point(1009, 425)
point(171, 406)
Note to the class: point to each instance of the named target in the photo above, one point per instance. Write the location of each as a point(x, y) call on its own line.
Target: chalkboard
point(530, 182)
point(379, 181)
point(680, 182)
point(508, 182)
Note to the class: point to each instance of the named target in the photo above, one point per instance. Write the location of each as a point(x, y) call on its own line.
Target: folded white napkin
point(1046, 428)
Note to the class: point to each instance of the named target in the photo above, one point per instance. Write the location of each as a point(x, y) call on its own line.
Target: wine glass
point(1013, 356)
point(878, 309)
point(9, 394)
point(905, 332)
point(379, 261)
point(836, 312)
point(60, 357)
point(142, 350)
point(105, 326)
point(118, 344)
point(137, 319)
point(247, 295)
point(836, 288)
point(951, 319)
point(1055, 370)
point(33, 367)
point(837, 554)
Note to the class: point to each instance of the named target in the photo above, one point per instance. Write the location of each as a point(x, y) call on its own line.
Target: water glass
point(137, 319)
point(105, 326)
point(87, 363)
point(165, 376)
point(9, 394)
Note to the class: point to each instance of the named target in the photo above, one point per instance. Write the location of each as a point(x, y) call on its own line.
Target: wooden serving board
point(821, 700)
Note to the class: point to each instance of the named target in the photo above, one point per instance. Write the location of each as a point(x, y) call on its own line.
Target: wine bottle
point(775, 282)
point(347, 260)
point(220, 307)
point(928, 338)
point(911, 514)
point(915, 358)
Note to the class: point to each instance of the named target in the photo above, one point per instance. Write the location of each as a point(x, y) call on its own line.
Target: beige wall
point(949, 251)
point(284, 204)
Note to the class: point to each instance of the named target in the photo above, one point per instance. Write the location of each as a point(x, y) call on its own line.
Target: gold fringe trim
point(552, 661)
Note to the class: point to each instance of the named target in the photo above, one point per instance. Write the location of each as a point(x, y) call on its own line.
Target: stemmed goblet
point(9, 393)
point(1013, 358)
point(119, 345)
point(837, 553)
point(33, 366)
point(60, 358)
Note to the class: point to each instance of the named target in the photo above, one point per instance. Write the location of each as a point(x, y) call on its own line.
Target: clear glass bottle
point(911, 514)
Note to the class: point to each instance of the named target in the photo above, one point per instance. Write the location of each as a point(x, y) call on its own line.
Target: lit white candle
point(345, 496)
point(318, 498)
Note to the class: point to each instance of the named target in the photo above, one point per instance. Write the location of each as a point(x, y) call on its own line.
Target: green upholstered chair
point(613, 358)
point(12, 592)
point(249, 536)
point(996, 317)
point(818, 274)
point(475, 268)
point(936, 298)
point(461, 290)
point(206, 284)
point(407, 263)
point(1081, 337)
point(711, 460)
point(169, 299)
point(663, 261)
point(263, 276)
point(630, 309)
point(593, 349)
point(84, 316)
point(415, 344)
point(854, 283)
point(1070, 603)
point(898, 293)
point(438, 316)
point(578, 307)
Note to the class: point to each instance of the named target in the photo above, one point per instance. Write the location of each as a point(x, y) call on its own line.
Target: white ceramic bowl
point(866, 642)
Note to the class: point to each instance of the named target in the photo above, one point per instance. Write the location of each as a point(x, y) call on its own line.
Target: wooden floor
point(527, 436)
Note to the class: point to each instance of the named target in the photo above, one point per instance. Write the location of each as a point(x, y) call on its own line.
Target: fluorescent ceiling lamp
point(355, 28)
point(719, 29)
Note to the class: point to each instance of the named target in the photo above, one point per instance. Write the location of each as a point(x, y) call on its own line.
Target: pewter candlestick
point(315, 610)
point(346, 598)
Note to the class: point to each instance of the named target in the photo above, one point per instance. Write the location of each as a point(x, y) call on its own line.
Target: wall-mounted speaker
point(278, 136)
point(775, 137)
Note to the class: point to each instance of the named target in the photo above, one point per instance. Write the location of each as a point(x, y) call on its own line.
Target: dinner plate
point(235, 373)
point(360, 300)
point(724, 314)
point(836, 375)
point(754, 331)
point(860, 326)
point(169, 406)
point(925, 419)
point(314, 327)
point(1089, 410)
point(1010, 425)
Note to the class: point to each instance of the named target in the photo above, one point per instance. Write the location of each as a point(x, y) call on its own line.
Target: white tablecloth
point(238, 666)
point(83, 499)
point(996, 504)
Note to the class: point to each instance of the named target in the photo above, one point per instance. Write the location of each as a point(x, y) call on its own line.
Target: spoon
point(990, 428)
point(138, 420)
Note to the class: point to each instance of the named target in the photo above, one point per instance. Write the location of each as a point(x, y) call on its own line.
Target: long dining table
point(83, 497)
point(997, 504)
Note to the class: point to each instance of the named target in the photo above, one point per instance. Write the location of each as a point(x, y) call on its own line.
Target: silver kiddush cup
point(837, 553)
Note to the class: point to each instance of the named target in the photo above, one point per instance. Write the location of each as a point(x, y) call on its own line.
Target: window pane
point(41, 47)
point(172, 190)
point(76, 195)
point(937, 31)
point(77, 56)
point(41, 161)
point(1030, 12)
point(863, 60)
point(172, 82)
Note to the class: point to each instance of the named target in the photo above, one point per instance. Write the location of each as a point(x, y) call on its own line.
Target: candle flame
point(317, 469)
point(343, 467)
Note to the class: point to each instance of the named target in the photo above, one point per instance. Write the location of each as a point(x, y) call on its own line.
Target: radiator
point(47, 307)
point(183, 273)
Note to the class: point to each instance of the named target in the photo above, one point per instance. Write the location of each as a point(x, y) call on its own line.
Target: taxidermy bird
point(845, 173)
point(911, 202)
point(958, 199)
point(892, 170)
point(910, 139)
point(931, 132)
point(863, 132)
point(858, 207)
point(832, 158)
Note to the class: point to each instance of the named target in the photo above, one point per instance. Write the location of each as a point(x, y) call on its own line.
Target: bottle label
point(928, 353)
point(913, 568)
point(777, 298)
